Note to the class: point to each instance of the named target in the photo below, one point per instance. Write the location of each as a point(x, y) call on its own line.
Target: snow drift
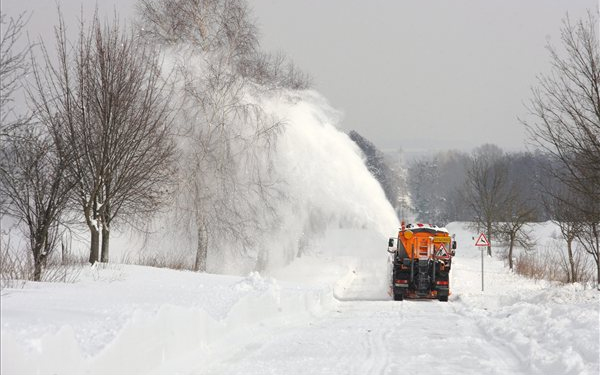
point(319, 314)
point(141, 318)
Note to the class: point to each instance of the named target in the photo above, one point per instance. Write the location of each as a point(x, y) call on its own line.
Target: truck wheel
point(443, 298)
point(398, 296)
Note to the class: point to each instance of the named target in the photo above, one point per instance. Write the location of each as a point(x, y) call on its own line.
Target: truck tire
point(398, 296)
point(443, 298)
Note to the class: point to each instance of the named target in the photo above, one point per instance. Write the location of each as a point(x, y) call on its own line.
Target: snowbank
point(139, 319)
point(551, 328)
point(135, 319)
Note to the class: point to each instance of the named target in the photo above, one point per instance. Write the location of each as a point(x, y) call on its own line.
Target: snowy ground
point(321, 315)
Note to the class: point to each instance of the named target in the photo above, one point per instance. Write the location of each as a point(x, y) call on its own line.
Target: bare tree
point(487, 188)
point(224, 27)
point(13, 67)
point(32, 177)
point(562, 204)
point(226, 189)
point(516, 213)
point(566, 110)
point(273, 71)
point(106, 107)
point(588, 235)
point(211, 25)
point(230, 185)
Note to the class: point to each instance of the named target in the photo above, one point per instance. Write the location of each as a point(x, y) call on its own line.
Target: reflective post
point(482, 247)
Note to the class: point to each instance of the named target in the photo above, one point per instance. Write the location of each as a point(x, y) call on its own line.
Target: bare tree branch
point(13, 67)
point(566, 110)
point(108, 111)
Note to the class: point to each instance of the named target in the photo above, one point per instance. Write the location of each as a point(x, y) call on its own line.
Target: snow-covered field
point(328, 313)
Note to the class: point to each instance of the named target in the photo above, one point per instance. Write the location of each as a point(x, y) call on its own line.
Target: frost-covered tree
point(423, 180)
point(452, 174)
point(436, 185)
point(226, 189)
point(389, 179)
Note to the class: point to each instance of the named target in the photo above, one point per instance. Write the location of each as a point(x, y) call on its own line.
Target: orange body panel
point(425, 244)
point(422, 262)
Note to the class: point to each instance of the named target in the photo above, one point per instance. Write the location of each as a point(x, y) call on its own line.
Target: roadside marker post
point(482, 242)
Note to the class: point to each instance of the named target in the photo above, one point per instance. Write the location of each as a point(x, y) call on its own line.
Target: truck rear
point(421, 262)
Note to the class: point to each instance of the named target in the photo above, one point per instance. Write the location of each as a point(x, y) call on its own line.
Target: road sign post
point(482, 242)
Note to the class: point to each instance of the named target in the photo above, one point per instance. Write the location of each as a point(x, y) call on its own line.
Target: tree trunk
point(40, 250)
point(37, 263)
point(105, 243)
point(202, 248)
point(105, 215)
point(489, 238)
point(94, 244)
point(598, 268)
point(37, 268)
point(510, 251)
point(597, 250)
point(573, 276)
point(63, 252)
point(597, 260)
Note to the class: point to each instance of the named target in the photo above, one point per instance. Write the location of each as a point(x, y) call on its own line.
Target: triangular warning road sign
point(442, 253)
point(482, 241)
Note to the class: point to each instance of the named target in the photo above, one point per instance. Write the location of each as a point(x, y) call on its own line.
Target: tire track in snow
point(374, 338)
point(499, 347)
point(377, 338)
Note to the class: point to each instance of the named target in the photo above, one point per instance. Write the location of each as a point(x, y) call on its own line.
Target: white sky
point(422, 74)
point(419, 75)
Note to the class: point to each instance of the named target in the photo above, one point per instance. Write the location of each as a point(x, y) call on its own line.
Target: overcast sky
point(417, 75)
point(422, 74)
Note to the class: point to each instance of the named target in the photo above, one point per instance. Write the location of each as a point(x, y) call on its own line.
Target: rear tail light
point(441, 282)
point(401, 281)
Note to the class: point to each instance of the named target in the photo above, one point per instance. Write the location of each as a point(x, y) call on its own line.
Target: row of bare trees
point(501, 192)
point(497, 199)
point(115, 133)
point(493, 189)
point(565, 126)
point(98, 145)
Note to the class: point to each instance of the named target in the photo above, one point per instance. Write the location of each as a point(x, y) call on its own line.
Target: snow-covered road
point(328, 315)
point(516, 326)
point(376, 337)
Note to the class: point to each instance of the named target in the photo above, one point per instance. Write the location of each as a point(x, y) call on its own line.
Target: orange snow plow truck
point(421, 260)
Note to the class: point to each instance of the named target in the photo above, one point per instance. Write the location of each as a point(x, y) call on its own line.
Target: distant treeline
point(434, 188)
point(439, 185)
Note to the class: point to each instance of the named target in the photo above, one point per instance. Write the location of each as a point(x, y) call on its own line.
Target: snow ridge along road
point(320, 315)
